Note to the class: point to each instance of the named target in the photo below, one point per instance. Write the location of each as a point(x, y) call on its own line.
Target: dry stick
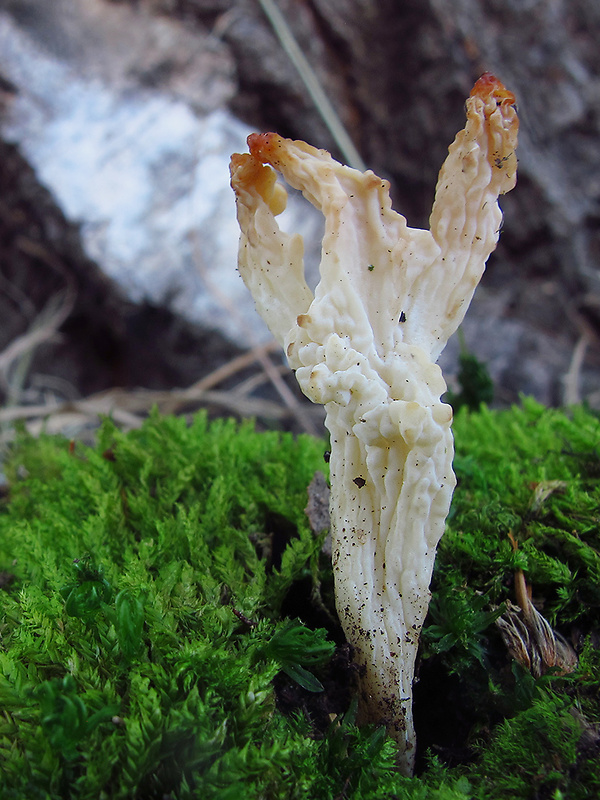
point(244, 406)
point(231, 367)
point(572, 394)
point(219, 374)
point(247, 386)
point(122, 405)
point(125, 406)
point(42, 329)
point(587, 337)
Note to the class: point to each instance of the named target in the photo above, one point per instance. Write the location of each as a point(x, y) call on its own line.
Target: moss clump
point(533, 472)
point(149, 601)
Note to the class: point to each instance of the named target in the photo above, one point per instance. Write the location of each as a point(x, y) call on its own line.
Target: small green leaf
point(129, 623)
point(295, 643)
point(86, 594)
point(303, 677)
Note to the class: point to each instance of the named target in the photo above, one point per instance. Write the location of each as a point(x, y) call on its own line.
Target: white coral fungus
point(365, 345)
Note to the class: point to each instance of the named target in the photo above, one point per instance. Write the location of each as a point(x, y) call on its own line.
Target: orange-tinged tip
point(244, 170)
point(263, 145)
point(250, 174)
point(237, 159)
point(489, 86)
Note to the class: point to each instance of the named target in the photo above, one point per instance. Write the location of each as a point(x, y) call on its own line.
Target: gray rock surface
point(124, 117)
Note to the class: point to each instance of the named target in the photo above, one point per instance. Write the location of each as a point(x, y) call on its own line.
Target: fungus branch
point(365, 346)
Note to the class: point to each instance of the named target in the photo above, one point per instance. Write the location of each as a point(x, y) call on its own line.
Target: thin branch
point(43, 328)
point(129, 408)
point(571, 379)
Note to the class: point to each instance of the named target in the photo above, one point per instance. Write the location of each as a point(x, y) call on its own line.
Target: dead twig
point(571, 379)
point(21, 349)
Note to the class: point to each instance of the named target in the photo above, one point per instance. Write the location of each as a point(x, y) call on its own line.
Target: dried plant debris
point(532, 642)
point(526, 633)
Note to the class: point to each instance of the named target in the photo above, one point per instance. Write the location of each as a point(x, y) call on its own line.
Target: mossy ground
point(164, 608)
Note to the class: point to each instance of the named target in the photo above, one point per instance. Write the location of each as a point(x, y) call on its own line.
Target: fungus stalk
point(365, 345)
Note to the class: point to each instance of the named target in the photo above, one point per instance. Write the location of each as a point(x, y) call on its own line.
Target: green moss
point(146, 641)
point(532, 754)
point(504, 460)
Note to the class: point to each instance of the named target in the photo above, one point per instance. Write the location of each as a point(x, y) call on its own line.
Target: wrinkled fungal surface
point(365, 345)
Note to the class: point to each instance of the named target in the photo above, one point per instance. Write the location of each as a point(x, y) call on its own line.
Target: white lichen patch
point(365, 345)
